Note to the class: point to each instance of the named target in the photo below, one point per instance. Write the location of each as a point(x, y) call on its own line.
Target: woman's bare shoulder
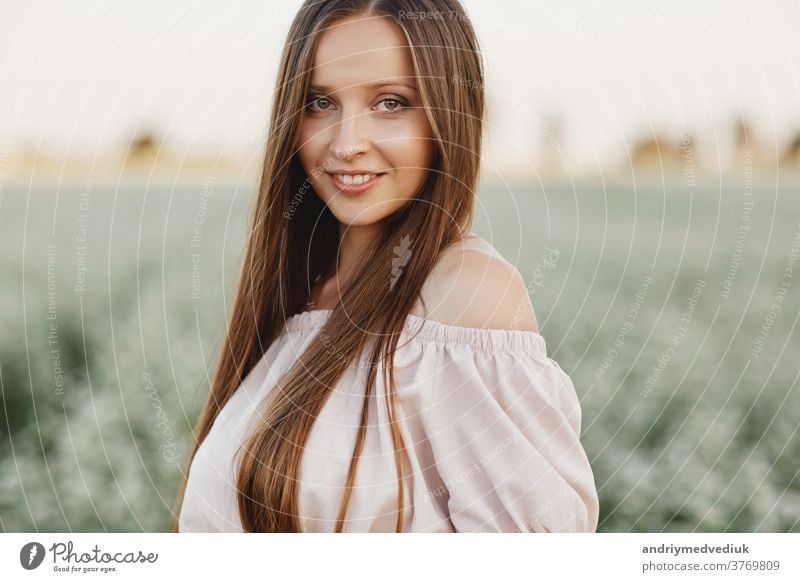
point(473, 286)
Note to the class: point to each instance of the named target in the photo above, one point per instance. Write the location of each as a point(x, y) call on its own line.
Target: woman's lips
point(354, 188)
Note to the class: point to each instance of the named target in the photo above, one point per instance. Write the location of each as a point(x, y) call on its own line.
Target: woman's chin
point(357, 214)
point(351, 220)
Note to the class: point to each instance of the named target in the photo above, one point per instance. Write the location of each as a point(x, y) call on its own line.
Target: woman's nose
point(349, 138)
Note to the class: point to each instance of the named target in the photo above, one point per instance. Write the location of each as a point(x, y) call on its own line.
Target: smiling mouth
point(355, 184)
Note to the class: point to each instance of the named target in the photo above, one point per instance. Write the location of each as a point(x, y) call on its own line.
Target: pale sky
point(83, 75)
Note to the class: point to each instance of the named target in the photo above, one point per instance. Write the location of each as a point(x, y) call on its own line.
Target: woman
point(383, 369)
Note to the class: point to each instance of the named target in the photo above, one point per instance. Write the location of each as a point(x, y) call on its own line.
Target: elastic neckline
point(428, 330)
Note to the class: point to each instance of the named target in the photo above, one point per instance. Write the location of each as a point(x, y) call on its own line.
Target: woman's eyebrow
point(377, 85)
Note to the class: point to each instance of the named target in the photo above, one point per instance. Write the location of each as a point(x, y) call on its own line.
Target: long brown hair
point(293, 238)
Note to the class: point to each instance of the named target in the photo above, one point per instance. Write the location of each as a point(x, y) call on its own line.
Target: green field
point(689, 386)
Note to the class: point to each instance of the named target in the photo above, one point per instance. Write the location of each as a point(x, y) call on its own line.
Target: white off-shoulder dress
point(491, 425)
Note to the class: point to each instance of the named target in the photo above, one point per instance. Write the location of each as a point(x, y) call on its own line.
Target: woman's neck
point(354, 242)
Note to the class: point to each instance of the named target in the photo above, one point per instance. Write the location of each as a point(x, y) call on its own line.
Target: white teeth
point(348, 179)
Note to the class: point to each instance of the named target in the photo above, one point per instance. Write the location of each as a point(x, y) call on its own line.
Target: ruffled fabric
point(427, 330)
point(490, 423)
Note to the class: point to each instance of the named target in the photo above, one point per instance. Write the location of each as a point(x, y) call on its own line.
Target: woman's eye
point(322, 103)
point(392, 104)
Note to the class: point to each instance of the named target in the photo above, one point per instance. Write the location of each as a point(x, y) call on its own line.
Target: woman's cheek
point(312, 136)
point(406, 146)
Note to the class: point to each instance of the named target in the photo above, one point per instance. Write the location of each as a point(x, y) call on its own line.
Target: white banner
point(387, 557)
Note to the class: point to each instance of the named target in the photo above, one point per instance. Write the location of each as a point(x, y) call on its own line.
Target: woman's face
point(365, 143)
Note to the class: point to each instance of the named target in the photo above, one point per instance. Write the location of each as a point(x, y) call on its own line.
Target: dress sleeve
point(503, 422)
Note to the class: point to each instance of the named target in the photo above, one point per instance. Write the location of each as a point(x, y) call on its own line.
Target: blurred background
point(641, 169)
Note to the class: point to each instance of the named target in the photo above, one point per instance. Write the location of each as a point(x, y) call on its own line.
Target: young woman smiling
point(383, 369)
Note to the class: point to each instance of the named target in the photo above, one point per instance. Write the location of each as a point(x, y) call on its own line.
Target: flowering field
point(673, 309)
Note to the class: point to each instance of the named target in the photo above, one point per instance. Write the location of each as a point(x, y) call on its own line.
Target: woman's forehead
point(361, 51)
